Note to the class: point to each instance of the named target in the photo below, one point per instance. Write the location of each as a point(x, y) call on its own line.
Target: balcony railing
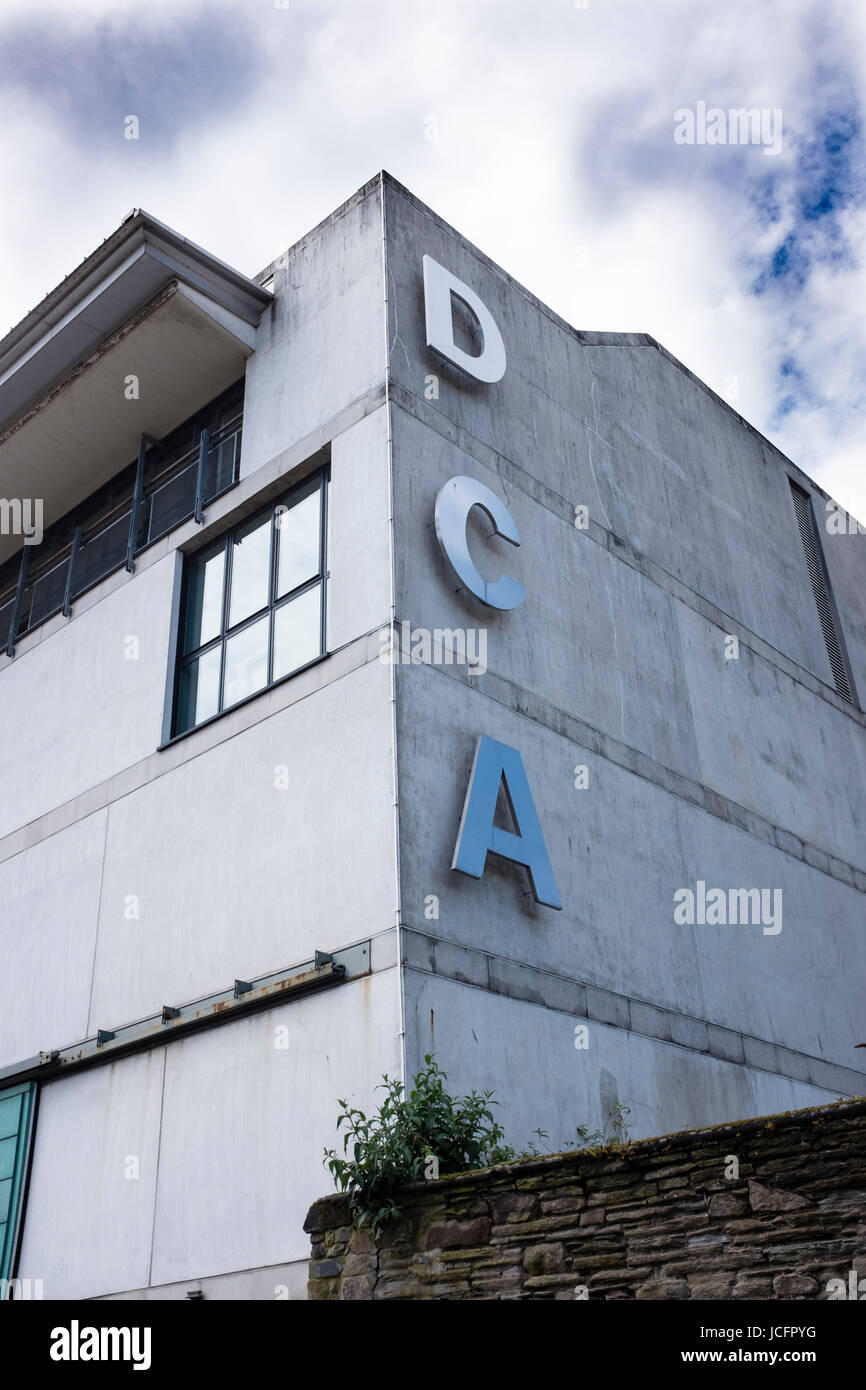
point(184, 485)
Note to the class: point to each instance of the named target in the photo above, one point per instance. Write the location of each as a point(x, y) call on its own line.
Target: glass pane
point(246, 662)
point(251, 550)
point(48, 593)
point(10, 1115)
point(220, 466)
point(5, 621)
point(24, 617)
point(199, 690)
point(182, 442)
point(297, 632)
point(298, 539)
point(204, 597)
point(172, 503)
point(8, 1148)
point(14, 1121)
point(102, 554)
point(230, 410)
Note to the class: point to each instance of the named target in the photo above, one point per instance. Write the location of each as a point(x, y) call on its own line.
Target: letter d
point(439, 285)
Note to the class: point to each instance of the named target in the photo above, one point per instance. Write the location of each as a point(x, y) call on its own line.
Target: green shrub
point(412, 1136)
point(425, 1132)
point(614, 1135)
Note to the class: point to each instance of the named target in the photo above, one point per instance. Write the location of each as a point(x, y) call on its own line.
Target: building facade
point(390, 668)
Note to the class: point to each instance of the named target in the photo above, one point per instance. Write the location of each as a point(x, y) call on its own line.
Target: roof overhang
point(128, 269)
point(148, 303)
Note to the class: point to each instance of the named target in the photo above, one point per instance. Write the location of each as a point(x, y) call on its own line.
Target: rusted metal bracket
point(245, 997)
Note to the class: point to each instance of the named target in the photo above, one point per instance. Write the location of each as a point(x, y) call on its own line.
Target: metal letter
point(439, 285)
point(453, 505)
point(478, 835)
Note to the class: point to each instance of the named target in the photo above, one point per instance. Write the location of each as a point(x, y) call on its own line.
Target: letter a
point(59, 1349)
point(495, 762)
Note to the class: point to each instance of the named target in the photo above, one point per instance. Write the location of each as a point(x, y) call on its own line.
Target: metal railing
point(177, 494)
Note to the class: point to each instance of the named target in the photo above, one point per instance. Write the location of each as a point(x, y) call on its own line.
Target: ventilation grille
point(821, 589)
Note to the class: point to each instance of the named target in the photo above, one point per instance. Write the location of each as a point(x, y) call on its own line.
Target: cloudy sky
point(544, 130)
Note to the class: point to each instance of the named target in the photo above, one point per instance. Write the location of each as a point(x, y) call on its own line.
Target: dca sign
point(495, 763)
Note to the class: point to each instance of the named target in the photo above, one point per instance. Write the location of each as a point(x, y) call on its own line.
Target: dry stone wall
point(770, 1208)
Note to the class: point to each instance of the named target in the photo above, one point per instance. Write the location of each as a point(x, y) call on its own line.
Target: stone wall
point(657, 1219)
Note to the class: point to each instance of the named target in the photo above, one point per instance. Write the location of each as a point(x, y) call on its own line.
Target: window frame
point(20, 1177)
point(183, 660)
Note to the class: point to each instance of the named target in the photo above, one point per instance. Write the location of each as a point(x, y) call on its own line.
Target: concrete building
point(272, 655)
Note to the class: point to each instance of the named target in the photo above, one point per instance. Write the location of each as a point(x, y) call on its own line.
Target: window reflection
point(251, 555)
point(246, 662)
point(205, 597)
point(199, 689)
point(297, 632)
point(298, 532)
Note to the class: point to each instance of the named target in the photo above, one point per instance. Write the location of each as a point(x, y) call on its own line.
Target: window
point(253, 607)
point(16, 1106)
point(824, 602)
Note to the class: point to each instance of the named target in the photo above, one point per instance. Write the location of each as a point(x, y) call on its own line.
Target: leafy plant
point(615, 1130)
point(532, 1149)
point(425, 1131)
point(615, 1133)
point(395, 1145)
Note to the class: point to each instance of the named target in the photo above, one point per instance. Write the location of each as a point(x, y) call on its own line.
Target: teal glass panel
point(16, 1105)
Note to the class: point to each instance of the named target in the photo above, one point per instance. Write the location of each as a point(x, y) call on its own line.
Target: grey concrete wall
point(483, 1040)
point(631, 653)
point(699, 767)
point(605, 422)
point(322, 344)
point(620, 849)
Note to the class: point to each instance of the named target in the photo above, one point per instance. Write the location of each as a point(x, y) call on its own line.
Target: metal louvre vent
point(821, 589)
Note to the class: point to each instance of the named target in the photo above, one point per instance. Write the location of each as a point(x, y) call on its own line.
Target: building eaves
point(110, 285)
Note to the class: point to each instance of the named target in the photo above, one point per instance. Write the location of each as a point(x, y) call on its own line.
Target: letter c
point(453, 505)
